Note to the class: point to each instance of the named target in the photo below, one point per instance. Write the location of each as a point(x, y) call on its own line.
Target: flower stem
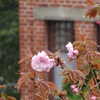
point(34, 85)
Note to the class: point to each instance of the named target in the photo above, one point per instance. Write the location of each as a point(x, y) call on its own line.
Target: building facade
point(51, 24)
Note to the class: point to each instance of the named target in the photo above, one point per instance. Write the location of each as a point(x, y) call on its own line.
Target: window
point(59, 34)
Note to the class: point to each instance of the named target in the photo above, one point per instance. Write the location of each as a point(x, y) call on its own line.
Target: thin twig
point(34, 85)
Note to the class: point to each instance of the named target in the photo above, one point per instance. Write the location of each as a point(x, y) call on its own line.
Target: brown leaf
point(90, 42)
point(90, 2)
point(96, 66)
point(86, 96)
point(95, 93)
point(62, 94)
point(77, 43)
point(72, 76)
point(91, 83)
point(39, 96)
point(49, 53)
point(24, 98)
point(79, 74)
point(58, 54)
point(31, 75)
point(57, 57)
point(28, 56)
point(21, 80)
point(92, 11)
point(52, 86)
point(98, 75)
point(64, 72)
point(5, 97)
point(45, 86)
point(82, 36)
point(49, 88)
point(11, 98)
point(96, 54)
point(66, 79)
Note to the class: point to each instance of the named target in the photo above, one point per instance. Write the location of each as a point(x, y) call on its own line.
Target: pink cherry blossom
point(73, 87)
point(76, 90)
point(41, 62)
point(93, 98)
point(73, 53)
point(69, 46)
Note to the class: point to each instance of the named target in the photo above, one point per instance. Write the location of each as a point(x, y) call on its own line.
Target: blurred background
point(9, 45)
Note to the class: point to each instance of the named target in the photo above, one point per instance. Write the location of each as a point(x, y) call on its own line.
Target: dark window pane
point(59, 34)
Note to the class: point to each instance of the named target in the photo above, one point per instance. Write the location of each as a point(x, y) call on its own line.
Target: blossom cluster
point(41, 61)
point(72, 53)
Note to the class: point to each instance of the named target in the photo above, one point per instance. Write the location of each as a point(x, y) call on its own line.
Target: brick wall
point(33, 32)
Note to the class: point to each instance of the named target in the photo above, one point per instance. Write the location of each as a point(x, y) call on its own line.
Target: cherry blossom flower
point(74, 89)
point(93, 98)
point(41, 62)
point(71, 52)
point(69, 46)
